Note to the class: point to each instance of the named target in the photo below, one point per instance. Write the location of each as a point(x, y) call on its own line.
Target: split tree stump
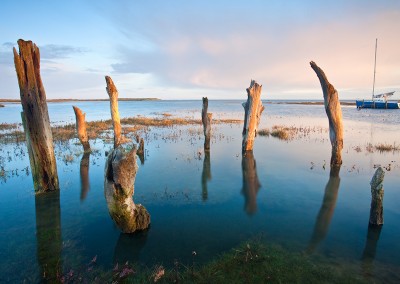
point(113, 94)
point(206, 119)
point(81, 128)
point(377, 192)
point(37, 131)
point(253, 109)
point(334, 113)
point(120, 174)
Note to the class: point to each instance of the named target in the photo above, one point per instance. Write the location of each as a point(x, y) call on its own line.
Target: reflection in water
point(129, 246)
point(84, 172)
point(328, 207)
point(48, 235)
point(251, 185)
point(370, 248)
point(206, 175)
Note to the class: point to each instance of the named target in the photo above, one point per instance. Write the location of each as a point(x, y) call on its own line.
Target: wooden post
point(81, 128)
point(140, 151)
point(84, 173)
point(253, 109)
point(325, 214)
point(120, 174)
point(251, 185)
point(206, 119)
point(206, 174)
point(37, 130)
point(113, 94)
point(377, 192)
point(334, 113)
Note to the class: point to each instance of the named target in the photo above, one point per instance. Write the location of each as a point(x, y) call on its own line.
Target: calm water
point(208, 204)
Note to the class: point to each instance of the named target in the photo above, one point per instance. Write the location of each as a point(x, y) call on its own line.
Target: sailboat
point(379, 101)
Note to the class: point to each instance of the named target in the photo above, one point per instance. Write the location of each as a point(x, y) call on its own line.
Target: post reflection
point(206, 175)
point(368, 256)
point(327, 208)
point(48, 235)
point(84, 173)
point(129, 246)
point(251, 185)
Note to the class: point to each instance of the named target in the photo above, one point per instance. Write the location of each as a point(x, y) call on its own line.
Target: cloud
point(55, 51)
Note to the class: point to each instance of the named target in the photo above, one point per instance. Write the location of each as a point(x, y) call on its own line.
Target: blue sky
point(189, 49)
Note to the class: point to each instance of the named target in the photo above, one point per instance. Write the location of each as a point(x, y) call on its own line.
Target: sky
point(189, 49)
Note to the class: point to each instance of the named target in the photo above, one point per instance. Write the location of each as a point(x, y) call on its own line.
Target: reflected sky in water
point(202, 203)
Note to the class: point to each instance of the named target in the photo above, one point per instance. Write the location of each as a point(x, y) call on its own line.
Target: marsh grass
point(288, 133)
point(384, 147)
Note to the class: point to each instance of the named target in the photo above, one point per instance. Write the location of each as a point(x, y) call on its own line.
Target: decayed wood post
point(251, 184)
point(140, 150)
point(113, 94)
point(325, 214)
point(33, 100)
point(206, 119)
point(334, 113)
point(30, 152)
point(376, 212)
point(81, 128)
point(120, 174)
point(206, 174)
point(253, 109)
point(84, 174)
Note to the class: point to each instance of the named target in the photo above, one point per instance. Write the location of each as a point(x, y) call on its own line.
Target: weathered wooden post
point(327, 209)
point(376, 212)
point(140, 150)
point(37, 130)
point(206, 174)
point(206, 119)
point(251, 184)
point(113, 94)
point(120, 174)
point(84, 174)
point(253, 109)
point(334, 113)
point(81, 128)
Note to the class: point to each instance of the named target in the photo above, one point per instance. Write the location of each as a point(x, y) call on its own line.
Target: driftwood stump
point(120, 174)
point(376, 212)
point(37, 122)
point(325, 214)
point(84, 174)
point(205, 175)
point(140, 150)
point(81, 128)
point(206, 119)
point(113, 94)
point(334, 113)
point(253, 109)
point(251, 184)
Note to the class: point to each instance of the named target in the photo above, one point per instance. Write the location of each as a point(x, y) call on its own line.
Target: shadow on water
point(251, 184)
point(327, 209)
point(84, 173)
point(206, 174)
point(368, 255)
point(48, 235)
point(129, 246)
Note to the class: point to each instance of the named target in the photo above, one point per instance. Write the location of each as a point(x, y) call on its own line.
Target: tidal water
point(283, 194)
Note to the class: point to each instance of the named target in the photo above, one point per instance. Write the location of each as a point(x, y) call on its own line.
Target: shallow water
point(209, 204)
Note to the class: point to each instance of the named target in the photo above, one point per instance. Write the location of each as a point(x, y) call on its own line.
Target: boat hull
point(377, 104)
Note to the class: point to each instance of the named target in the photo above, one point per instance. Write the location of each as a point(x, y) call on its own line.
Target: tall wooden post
point(113, 94)
point(120, 174)
point(38, 131)
point(334, 113)
point(140, 150)
point(81, 128)
point(206, 119)
point(253, 109)
point(376, 212)
point(251, 184)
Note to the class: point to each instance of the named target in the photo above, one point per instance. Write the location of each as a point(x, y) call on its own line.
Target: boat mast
point(373, 86)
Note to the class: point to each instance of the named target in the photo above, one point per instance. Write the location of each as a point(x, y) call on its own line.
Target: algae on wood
point(377, 192)
point(120, 174)
point(253, 109)
point(334, 113)
point(113, 94)
point(81, 128)
point(36, 116)
point(206, 120)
